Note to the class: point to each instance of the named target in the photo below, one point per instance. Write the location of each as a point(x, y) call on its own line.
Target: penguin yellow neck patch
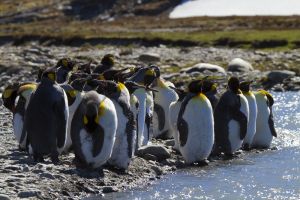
point(85, 120)
point(101, 110)
point(52, 76)
point(247, 93)
point(101, 77)
point(7, 93)
point(161, 83)
point(150, 72)
point(200, 96)
point(72, 93)
point(121, 87)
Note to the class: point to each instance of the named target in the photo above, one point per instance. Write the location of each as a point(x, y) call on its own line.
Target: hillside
point(140, 22)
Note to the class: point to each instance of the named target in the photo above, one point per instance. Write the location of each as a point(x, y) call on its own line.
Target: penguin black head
point(66, 63)
point(91, 84)
point(49, 74)
point(195, 86)
point(110, 89)
point(92, 114)
point(90, 118)
point(70, 92)
point(78, 84)
point(9, 96)
point(234, 84)
point(150, 76)
point(209, 86)
point(108, 60)
point(132, 86)
point(245, 86)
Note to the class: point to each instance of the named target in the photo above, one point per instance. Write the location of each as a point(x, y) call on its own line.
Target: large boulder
point(277, 76)
point(149, 57)
point(160, 152)
point(239, 65)
point(202, 67)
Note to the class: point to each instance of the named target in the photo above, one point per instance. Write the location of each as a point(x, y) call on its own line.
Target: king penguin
point(123, 149)
point(18, 97)
point(46, 118)
point(93, 130)
point(173, 116)
point(231, 119)
point(74, 99)
point(144, 76)
point(162, 101)
point(251, 129)
point(265, 130)
point(195, 126)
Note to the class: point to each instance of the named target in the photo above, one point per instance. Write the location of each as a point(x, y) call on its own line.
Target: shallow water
point(272, 174)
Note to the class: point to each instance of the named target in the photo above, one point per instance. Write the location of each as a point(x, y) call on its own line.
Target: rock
point(170, 142)
point(239, 65)
point(150, 157)
point(109, 189)
point(149, 57)
point(47, 175)
point(157, 170)
point(277, 76)
point(4, 197)
point(160, 152)
point(202, 67)
point(28, 194)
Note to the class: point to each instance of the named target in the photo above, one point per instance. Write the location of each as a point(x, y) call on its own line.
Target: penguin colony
point(104, 115)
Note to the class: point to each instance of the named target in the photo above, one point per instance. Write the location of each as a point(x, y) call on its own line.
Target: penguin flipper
point(161, 116)
point(98, 140)
point(242, 119)
point(271, 124)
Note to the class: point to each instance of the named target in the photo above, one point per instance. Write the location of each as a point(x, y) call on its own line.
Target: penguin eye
point(7, 93)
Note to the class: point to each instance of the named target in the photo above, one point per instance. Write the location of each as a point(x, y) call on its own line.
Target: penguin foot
point(246, 147)
point(229, 156)
point(203, 163)
point(38, 158)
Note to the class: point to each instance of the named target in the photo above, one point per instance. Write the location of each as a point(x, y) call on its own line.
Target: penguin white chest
point(234, 127)
point(263, 136)
point(251, 128)
point(18, 128)
point(199, 117)
point(173, 116)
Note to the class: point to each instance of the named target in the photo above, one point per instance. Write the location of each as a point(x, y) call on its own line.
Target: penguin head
point(209, 86)
point(108, 60)
point(245, 86)
point(113, 74)
point(78, 84)
point(26, 90)
point(91, 84)
point(151, 74)
point(70, 92)
point(66, 63)
point(110, 89)
point(49, 74)
point(9, 96)
point(93, 114)
point(195, 86)
point(234, 84)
